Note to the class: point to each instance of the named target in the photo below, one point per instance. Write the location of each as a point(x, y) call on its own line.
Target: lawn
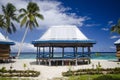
point(96, 77)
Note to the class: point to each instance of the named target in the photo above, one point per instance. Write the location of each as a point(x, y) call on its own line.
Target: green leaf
point(13, 27)
point(21, 16)
point(39, 16)
point(23, 10)
point(9, 30)
point(15, 18)
point(36, 22)
point(31, 17)
point(23, 20)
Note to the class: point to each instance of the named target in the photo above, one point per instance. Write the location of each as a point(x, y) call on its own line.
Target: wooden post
point(43, 52)
point(49, 52)
point(76, 53)
point(62, 51)
point(62, 55)
point(89, 50)
point(52, 51)
point(74, 49)
point(83, 51)
point(49, 62)
point(38, 55)
point(76, 61)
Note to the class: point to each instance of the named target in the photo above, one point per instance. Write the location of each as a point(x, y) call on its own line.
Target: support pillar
point(76, 62)
point(49, 62)
point(83, 51)
point(49, 52)
point(62, 62)
point(37, 56)
point(62, 51)
point(74, 49)
point(52, 51)
point(89, 51)
point(43, 52)
point(76, 52)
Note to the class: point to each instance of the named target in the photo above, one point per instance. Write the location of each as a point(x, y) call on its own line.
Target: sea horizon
point(94, 55)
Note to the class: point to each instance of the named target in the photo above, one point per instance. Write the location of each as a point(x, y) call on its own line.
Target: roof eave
point(7, 43)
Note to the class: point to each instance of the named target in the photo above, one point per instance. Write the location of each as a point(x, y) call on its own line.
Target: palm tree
point(28, 18)
point(116, 28)
point(2, 24)
point(8, 17)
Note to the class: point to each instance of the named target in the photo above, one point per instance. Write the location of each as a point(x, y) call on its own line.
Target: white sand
point(49, 72)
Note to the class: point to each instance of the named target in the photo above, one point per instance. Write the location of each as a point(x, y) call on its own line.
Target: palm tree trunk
point(20, 47)
point(6, 35)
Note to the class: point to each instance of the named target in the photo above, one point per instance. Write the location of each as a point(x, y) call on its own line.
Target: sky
point(93, 17)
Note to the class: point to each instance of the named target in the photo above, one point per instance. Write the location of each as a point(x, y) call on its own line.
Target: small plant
point(92, 66)
point(24, 65)
point(118, 64)
point(98, 67)
point(3, 69)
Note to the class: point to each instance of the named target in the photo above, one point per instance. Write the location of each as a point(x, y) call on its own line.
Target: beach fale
point(5, 48)
point(117, 43)
point(63, 37)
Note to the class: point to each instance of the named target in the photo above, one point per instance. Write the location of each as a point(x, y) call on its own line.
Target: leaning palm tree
point(28, 18)
point(8, 18)
point(116, 28)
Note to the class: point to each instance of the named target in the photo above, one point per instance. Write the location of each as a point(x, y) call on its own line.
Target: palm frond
point(3, 9)
point(23, 21)
point(21, 16)
point(23, 10)
point(31, 17)
point(36, 23)
point(8, 21)
point(40, 16)
point(27, 23)
point(13, 27)
point(15, 19)
point(9, 30)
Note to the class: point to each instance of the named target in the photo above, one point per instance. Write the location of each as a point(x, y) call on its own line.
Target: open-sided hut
point(117, 43)
point(63, 37)
point(5, 48)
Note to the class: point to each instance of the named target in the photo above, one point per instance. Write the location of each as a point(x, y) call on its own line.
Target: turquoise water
point(94, 55)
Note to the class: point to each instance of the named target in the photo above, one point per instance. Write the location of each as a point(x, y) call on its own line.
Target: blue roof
point(63, 41)
point(7, 43)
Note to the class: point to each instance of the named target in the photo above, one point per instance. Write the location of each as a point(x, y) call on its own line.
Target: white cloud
point(26, 47)
point(110, 22)
point(105, 29)
point(112, 47)
point(114, 37)
point(53, 11)
point(91, 25)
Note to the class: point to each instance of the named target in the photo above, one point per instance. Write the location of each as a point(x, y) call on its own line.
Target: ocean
point(94, 55)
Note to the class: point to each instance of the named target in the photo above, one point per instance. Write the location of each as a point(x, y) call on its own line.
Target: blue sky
point(93, 17)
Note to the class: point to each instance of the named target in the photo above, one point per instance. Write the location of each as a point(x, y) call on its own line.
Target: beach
point(50, 72)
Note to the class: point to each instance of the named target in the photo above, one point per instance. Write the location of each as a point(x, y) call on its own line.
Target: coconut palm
point(116, 28)
point(28, 18)
point(8, 17)
point(2, 24)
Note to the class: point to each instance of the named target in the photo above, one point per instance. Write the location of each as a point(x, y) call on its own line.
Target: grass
point(96, 77)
